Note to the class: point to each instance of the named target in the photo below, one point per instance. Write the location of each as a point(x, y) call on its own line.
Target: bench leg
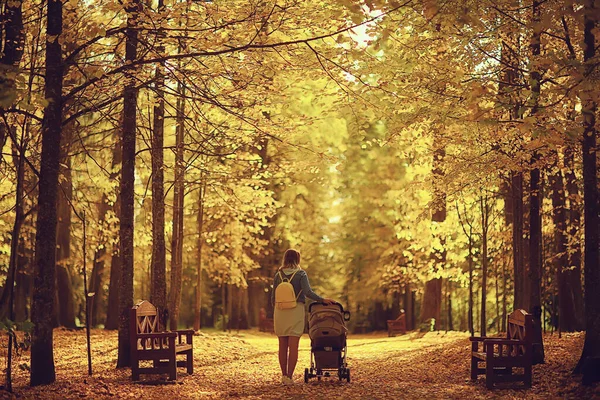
point(474, 368)
point(489, 374)
point(173, 368)
point(527, 377)
point(190, 362)
point(135, 370)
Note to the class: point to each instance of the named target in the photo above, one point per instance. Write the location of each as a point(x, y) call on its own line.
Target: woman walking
point(289, 312)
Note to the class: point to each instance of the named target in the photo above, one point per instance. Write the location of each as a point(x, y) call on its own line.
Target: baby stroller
point(327, 331)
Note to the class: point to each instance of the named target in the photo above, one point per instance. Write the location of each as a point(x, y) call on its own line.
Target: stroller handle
point(346, 313)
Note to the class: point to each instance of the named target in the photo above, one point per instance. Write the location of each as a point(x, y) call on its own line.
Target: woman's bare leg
point(283, 354)
point(293, 356)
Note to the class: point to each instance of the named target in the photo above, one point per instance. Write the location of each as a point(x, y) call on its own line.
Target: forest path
point(244, 365)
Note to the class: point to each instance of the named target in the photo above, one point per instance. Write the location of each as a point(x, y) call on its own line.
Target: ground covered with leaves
point(244, 365)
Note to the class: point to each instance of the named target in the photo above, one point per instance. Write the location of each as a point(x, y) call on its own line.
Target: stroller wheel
point(347, 374)
point(340, 373)
point(306, 376)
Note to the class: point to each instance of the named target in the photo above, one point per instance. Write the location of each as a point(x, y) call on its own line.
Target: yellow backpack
point(285, 296)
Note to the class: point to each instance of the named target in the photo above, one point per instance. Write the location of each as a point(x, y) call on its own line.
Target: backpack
point(285, 296)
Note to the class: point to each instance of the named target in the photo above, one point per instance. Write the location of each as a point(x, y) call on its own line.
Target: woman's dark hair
point(291, 259)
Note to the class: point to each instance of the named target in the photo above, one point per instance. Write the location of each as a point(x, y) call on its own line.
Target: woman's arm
point(306, 289)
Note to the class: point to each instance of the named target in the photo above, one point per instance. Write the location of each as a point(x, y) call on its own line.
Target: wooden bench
point(397, 325)
point(502, 355)
point(265, 324)
point(149, 343)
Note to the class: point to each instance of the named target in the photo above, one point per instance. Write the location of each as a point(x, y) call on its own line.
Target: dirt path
point(245, 366)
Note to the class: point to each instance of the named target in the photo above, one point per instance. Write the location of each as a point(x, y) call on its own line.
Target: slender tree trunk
point(223, 305)
point(470, 262)
point(483, 203)
point(158, 266)
point(408, 307)
point(177, 239)
point(573, 275)
point(504, 302)
point(64, 288)
point(11, 52)
point(591, 347)
point(127, 189)
point(517, 238)
point(95, 291)
point(11, 278)
point(432, 298)
point(42, 355)
point(566, 306)
point(114, 285)
point(198, 304)
point(497, 284)
point(449, 311)
point(535, 200)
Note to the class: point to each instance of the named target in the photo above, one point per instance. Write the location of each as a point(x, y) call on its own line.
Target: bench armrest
point(493, 341)
point(185, 332)
point(156, 335)
point(188, 333)
point(478, 338)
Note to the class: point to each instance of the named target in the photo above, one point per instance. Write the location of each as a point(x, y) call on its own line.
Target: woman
point(289, 323)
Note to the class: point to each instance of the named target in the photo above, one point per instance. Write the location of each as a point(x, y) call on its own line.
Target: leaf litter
point(244, 365)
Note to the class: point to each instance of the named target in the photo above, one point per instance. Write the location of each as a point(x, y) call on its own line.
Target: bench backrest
point(520, 325)
point(145, 316)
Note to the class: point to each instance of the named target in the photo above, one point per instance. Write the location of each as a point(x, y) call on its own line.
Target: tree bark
point(200, 217)
point(177, 239)
point(573, 275)
point(112, 306)
point(591, 347)
point(535, 218)
point(11, 51)
point(42, 355)
point(432, 298)
point(65, 309)
point(566, 306)
point(484, 207)
point(517, 239)
point(127, 189)
point(158, 266)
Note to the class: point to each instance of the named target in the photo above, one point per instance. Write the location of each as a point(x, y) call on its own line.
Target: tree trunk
point(42, 355)
point(95, 291)
point(432, 298)
point(177, 239)
point(450, 325)
point(591, 347)
point(127, 190)
point(573, 275)
point(483, 203)
point(470, 262)
point(535, 202)
point(198, 303)
point(158, 266)
point(504, 285)
point(409, 307)
point(15, 246)
point(517, 239)
point(11, 49)
point(112, 306)
point(65, 309)
point(566, 306)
